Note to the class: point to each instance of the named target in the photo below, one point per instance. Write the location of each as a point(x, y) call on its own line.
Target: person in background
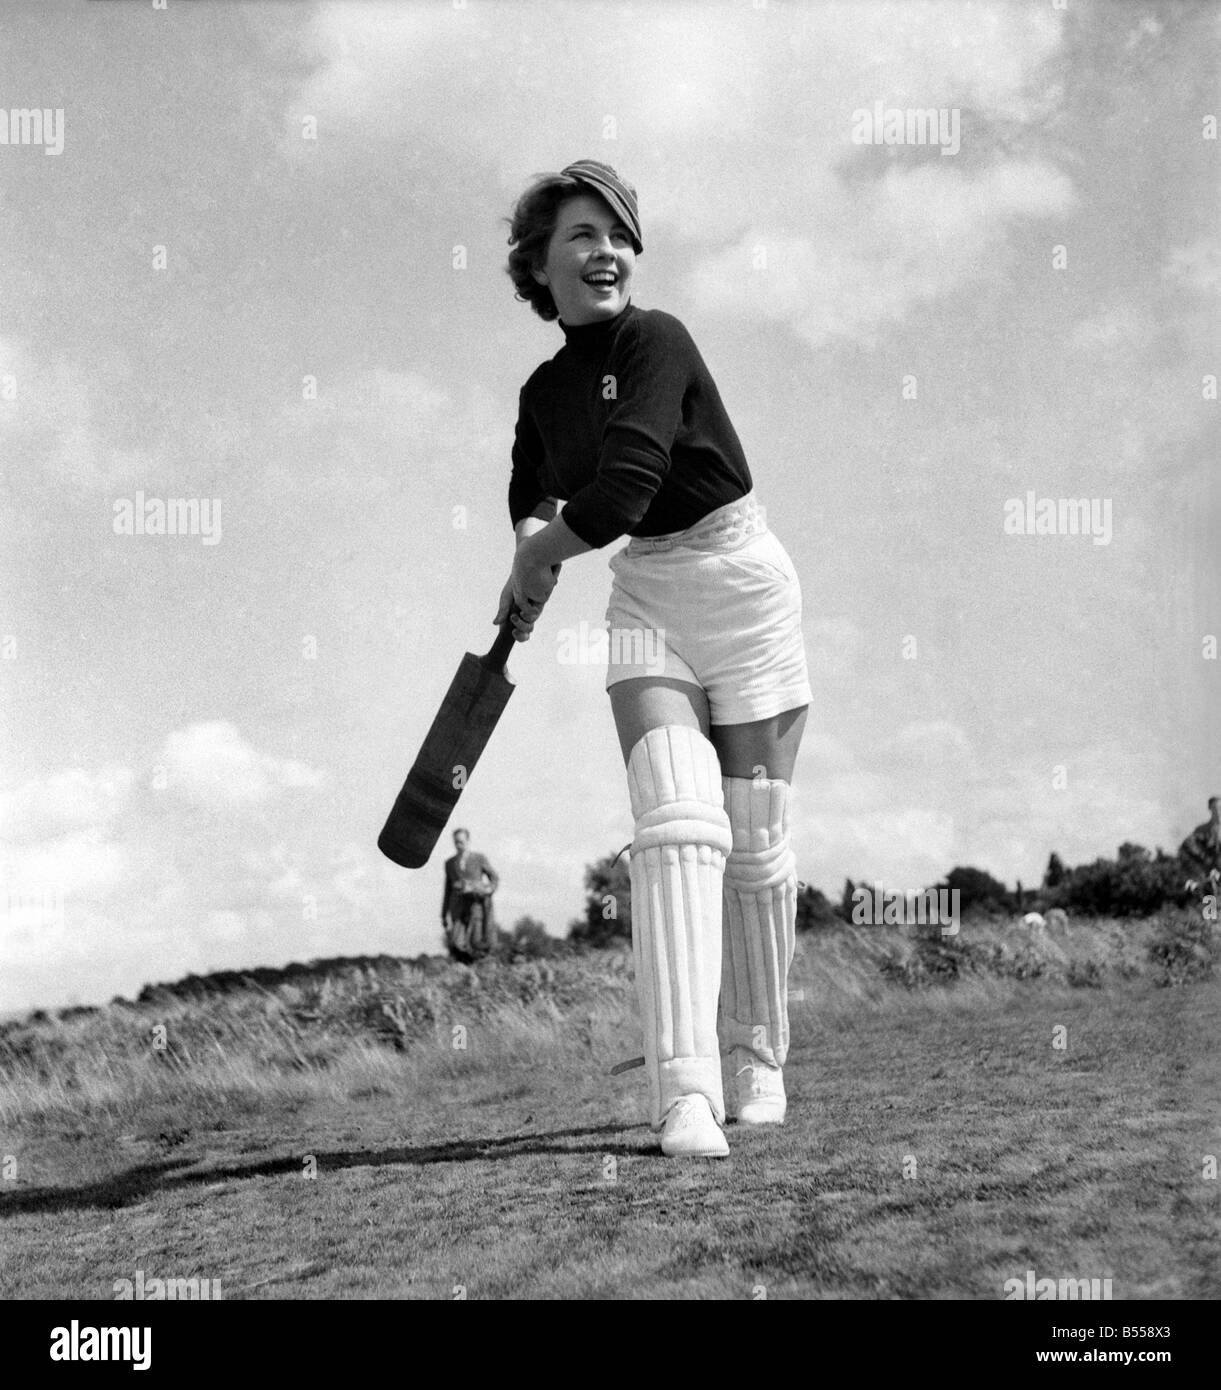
point(466, 902)
point(1200, 852)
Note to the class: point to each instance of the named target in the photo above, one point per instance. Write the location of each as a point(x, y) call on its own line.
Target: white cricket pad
point(760, 920)
point(677, 866)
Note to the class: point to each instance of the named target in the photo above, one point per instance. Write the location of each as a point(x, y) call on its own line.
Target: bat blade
point(472, 706)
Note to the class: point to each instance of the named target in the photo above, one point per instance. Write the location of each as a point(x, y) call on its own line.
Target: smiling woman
point(587, 190)
point(589, 263)
point(626, 423)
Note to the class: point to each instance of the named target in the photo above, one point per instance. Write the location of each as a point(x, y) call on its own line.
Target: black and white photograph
point(609, 624)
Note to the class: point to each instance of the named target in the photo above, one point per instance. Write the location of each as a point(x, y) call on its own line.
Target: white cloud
point(72, 800)
point(368, 61)
point(908, 847)
point(77, 865)
point(1196, 266)
point(689, 91)
point(210, 763)
point(1113, 331)
point(402, 403)
point(1150, 27)
point(879, 249)
point(224, 928)
point(676, 72)
point(1136, 346)
point(58, 423)
point(975, 53)
point(824, 754)
point(833, 645)
point(368, 428)
point(925, 746)
point(287, 876)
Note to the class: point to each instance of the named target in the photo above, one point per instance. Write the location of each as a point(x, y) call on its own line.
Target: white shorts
point(718, 606)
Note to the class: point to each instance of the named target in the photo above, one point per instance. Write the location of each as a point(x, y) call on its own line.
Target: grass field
point(436, 1134)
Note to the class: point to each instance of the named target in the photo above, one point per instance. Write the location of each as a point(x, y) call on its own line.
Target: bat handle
point(498, 655)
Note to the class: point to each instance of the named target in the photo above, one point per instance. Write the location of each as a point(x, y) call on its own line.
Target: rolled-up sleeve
point(649, 373)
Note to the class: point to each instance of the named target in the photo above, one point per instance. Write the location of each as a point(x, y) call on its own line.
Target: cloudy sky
point(264, 273)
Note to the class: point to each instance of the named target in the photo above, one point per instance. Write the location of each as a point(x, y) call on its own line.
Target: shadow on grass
point(148, 1179)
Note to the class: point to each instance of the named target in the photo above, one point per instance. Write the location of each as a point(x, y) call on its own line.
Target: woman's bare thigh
point(764, 748)
point(649, 702)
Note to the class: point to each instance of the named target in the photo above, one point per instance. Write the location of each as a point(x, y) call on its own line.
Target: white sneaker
point(690, 1131)
point(761, 1099)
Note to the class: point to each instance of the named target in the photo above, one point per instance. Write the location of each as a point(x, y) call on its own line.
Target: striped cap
point(603, 180)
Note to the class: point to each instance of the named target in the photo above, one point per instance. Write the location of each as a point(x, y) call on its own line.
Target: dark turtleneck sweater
point(625, 422)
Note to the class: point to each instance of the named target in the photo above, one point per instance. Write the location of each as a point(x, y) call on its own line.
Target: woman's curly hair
point(530, 230)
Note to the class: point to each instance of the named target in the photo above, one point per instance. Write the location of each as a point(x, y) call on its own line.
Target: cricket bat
point(472, 706)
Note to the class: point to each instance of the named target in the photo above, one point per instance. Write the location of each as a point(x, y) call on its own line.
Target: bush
point(1020, 963)
point(978, 890)
point(530, 940)
point(814, 910)
point(1136, 884)
point(933, 960)
point(1054, 875)
point(608, 903)
point(1184, 949)
point(1085, 974)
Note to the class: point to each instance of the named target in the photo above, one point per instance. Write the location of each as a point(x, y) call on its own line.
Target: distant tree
point(845, 900)
point(528, 929)
point(1134, 884)
point(608, 903)
point(976, 888)
point(1056, 872)
point(814, 910)
point(529, 937)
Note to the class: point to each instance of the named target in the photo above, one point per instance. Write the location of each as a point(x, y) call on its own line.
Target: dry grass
point(357, 1027)
point(516, 1166)
point(324, 1035)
